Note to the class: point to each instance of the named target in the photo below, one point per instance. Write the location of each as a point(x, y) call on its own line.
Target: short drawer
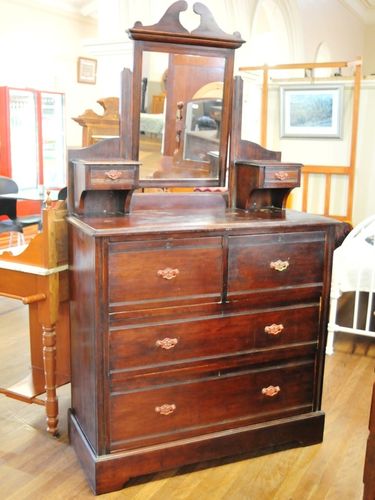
point(111, 176)
point(262, 262)
point(174, 342)
point(281, 177)
point(161, 273)
point(214, 403)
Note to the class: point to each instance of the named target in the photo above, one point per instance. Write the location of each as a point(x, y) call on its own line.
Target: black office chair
point(8, 207)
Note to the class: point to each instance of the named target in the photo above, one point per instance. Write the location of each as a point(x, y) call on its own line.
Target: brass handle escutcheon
point(271, 390)
point(274, 329)
point(166, 343)
point(279, 265)
point(168, 273)
point(165, 409)
point(281, 176)
point(113, 174)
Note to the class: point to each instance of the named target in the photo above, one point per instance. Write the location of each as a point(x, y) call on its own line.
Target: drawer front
point(212, 404)
point(174, 342)
point(111, 177)
point(262, 262)
point(281, 177)
point(155, 274)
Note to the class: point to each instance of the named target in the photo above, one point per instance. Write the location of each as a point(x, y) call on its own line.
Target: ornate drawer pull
point(271, 391)
point(166, 343)
point(279, 265)
point(113, 174)
point(165, 409)
point(281, 176)
point(168, 273)
point(274, 329)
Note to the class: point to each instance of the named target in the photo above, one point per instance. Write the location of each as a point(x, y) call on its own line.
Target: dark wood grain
point(111, 472)
point(135, 346)
point(369, 469)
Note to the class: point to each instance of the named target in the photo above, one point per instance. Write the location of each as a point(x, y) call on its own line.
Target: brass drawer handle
point(281, 176)
point(271, 390)
point(279, 265)
point(274, 329)
point(166, 343)
point(113, 174)
point(165, 409)
point(168, 273)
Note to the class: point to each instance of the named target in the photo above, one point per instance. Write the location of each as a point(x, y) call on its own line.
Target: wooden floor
point(35, 466)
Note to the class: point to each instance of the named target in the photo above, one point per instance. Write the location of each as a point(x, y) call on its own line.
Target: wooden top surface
point(192, 216)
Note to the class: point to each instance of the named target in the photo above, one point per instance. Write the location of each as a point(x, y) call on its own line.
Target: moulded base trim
point(106, 473)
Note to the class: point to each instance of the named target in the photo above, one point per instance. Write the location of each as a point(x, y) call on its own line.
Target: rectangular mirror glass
point(180, 135)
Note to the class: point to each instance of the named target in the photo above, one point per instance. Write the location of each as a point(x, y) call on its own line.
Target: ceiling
point(365, 9)
point(85, 8)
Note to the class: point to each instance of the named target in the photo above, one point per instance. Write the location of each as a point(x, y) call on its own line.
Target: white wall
point(369, 51)
point(364, 198)
point(40, 50)
point(331, 22)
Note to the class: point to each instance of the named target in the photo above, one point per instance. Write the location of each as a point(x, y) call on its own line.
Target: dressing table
point(198, 321)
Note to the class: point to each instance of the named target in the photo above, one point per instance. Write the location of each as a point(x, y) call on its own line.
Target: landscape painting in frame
point(311, 111)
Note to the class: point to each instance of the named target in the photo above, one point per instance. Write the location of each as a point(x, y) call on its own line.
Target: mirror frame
point(169, 36)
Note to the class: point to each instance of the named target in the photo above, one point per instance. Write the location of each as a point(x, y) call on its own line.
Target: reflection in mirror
point(152, 120)
point(180, 131)
point(202, 130)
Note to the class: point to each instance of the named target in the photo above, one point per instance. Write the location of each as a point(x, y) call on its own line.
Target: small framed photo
point(311, 111)
point(86, 70)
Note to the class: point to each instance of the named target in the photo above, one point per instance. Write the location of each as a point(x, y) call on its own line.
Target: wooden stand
point(39, 278)
point(96, 127)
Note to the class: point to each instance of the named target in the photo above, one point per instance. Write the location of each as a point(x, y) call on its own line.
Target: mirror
point(182, 87)
point(179, 126)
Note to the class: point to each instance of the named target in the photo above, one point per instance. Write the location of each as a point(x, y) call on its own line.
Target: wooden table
point(39, 278)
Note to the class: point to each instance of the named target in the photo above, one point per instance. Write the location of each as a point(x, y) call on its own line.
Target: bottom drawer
point(223, 401)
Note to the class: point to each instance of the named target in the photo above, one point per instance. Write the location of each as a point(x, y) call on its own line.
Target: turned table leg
point(49, 360)
point(48, 311)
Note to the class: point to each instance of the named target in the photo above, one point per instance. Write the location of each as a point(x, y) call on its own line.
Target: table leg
point(48, 312)
point(49, 359)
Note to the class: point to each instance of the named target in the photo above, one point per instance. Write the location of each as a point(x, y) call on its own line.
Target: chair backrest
point(8, 206)
point(7, 185)
point(63, 193)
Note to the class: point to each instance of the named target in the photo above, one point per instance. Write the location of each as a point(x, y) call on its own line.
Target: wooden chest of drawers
point(195, 338)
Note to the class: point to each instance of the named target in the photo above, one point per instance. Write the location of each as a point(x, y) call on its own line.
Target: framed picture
point(311, 111)
point(86, 70)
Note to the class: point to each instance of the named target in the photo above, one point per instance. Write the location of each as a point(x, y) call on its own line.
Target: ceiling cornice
point(364, 9)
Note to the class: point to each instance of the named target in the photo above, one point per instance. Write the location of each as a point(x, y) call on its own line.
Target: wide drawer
point(150, 274)
point(274, 261)
point(174, 342)
point(223, 401)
